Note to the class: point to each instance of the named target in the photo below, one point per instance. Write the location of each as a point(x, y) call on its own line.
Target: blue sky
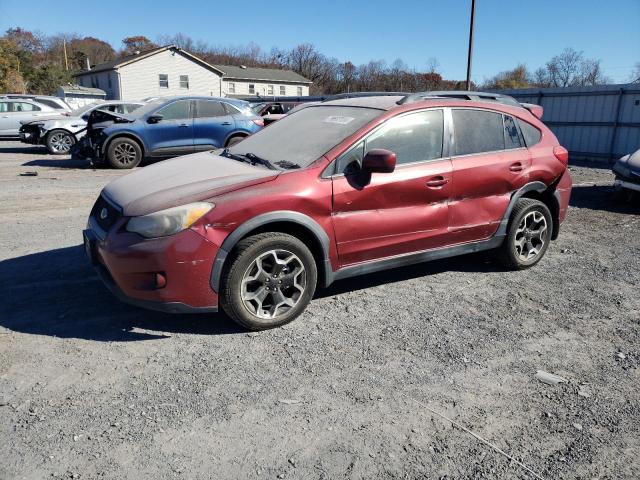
point(507, 32)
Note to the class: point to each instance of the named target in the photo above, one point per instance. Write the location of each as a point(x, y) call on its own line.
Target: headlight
point(169, 221)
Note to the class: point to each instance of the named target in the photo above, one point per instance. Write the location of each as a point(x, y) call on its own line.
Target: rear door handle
point(226, 123)
point(516, 167)
point(183, 125)
point(437, 182)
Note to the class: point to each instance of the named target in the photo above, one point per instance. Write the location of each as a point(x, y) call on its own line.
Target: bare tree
point(569, 69)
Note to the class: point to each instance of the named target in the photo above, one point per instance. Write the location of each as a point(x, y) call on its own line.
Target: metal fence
point(600, 122)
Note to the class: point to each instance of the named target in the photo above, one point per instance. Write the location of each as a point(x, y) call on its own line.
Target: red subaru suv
point(337, 189)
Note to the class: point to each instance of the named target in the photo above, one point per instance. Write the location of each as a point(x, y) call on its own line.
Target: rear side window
point(511, 134)
point(230, 109)
point(477, 131)
point(24, 107)
point(49, 103)
point(530, 133)
point(176, 110)
point(4, 107)
point(207, 108)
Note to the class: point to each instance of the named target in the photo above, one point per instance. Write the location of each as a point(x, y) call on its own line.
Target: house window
point(232, 87)
point(299, 91)
point(269, 89)
point(163, 80)
point(184, 81)
point(283, 90)
point(252, 88)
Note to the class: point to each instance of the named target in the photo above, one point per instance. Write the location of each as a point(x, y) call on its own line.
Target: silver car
point(59, 133)
point(56, 103)
point(14, 111)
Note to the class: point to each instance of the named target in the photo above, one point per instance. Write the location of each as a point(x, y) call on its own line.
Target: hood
point(629, 165)
point(99, 115)
point(182, 180)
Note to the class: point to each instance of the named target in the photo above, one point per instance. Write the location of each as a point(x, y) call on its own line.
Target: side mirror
point(379, 161)
point(155, 118)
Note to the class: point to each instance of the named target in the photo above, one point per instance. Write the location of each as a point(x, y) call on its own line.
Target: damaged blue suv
point(166, 127)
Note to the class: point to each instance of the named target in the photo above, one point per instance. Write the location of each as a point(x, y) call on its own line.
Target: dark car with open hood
point(340, 188)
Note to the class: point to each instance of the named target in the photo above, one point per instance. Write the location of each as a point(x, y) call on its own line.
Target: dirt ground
point(362, 386)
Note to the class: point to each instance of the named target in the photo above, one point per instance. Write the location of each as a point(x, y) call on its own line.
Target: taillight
point(561, 154)
point(259, 122)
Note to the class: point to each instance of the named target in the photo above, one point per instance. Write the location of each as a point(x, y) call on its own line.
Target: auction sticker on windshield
point(338, 119)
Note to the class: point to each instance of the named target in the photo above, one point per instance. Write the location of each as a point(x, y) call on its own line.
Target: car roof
point(377, 102)
point(200, 97)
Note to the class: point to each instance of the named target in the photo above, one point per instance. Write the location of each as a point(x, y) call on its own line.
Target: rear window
point(530, 133)
point(304, 136)
point(477, 131)
point(511, 133)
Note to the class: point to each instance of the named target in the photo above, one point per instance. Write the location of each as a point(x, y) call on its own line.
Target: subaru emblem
point(104, 213)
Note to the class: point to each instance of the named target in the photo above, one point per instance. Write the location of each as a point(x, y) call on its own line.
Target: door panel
point(396, 213)
point(173, 135)
point(483, 184)
point(211, 125)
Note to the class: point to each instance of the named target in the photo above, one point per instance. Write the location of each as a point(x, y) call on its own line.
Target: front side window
point(477, 131)
point(176, 111)
point(511, 133)
point(24, 107)
point(209, 108)
point(413, 138)
point(283, 90)
point(184, 81)
point(163, 80)
point(269, 89)
point(232, 87)
point(252, 88)
point(299, 91)
point(530, 133)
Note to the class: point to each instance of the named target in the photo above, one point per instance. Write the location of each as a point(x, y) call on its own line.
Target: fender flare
point(271, 217)
point(529, 187)
point(125, 133)
point(236, 133)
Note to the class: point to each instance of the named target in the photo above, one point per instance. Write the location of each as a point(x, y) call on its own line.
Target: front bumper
point(620, 183)
point(31, 135)
point(129, 267)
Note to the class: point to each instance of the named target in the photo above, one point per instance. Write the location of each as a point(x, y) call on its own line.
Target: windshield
point(303, 137)
point(148, 107)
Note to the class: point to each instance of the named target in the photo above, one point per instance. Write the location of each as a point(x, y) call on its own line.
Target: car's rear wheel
point(528, 235)
point(234, 140)
point(59, 142)
point(124, 153)
point(270, 280)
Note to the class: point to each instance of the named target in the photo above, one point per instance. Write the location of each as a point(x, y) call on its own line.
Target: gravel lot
point(360, 387)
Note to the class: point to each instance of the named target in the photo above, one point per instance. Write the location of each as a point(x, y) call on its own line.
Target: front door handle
point(183, 125)
point(226, 123)
point(437, 182)
point(516, 167)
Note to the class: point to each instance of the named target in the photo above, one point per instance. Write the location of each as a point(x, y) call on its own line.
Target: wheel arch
point(129, 135)
point(537, 190)
point(296, 224)
point(237, 133)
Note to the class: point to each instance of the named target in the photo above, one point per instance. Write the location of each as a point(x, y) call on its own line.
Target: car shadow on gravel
point(31, 150)
point(602, 197)
point(57, 162)
point(57, 293)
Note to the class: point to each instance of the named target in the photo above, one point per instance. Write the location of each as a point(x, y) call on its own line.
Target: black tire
point(519, 244)
point(59, 142)
point(242, 264)
point(234, 140)
point(124, 153)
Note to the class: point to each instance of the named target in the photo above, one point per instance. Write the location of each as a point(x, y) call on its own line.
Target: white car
point(15, 111)
point(56, 103)
point(59, 133)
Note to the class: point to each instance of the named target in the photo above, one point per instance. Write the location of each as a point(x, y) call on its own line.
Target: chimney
point(88, 64)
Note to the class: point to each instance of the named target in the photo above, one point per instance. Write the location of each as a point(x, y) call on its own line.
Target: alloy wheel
point(61, 142)
point(273, 284)
point(124, 153)
point(531, 235)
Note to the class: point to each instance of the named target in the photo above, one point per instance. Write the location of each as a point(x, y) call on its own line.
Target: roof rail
point(461, 94)
point(340, 96)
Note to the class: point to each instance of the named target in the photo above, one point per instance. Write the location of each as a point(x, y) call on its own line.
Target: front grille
point(104, 214)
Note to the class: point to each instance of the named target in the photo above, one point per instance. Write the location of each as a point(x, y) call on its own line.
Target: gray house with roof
point(169, 70)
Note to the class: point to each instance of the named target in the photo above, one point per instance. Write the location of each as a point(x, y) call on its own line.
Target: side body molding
point(278, 216)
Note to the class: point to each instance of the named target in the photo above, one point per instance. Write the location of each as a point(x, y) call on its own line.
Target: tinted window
point(207, 108)
point(511, 134)
point(24, 107)
point(176, 110)
point(49, 103)
point(413, 138)
point(477, 131)
point(530, 133)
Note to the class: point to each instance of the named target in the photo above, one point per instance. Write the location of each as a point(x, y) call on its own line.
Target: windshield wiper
point(286, 164)
point(256, 159)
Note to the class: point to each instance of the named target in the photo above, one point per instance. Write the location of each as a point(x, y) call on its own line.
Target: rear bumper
point(130, 267)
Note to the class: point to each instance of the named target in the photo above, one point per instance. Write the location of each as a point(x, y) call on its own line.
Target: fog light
point(161, 280)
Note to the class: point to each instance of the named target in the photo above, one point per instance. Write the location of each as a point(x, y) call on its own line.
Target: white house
point(169, 70)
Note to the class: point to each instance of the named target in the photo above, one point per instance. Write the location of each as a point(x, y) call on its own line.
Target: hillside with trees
point(36, 63)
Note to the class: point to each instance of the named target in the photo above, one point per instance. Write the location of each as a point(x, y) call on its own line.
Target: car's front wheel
point(270, 280)
point(124, 153)
point(59, 142)
point(528, 235)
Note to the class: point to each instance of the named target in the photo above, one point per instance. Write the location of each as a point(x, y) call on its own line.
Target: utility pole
point(64, 48)
point(470, 54)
